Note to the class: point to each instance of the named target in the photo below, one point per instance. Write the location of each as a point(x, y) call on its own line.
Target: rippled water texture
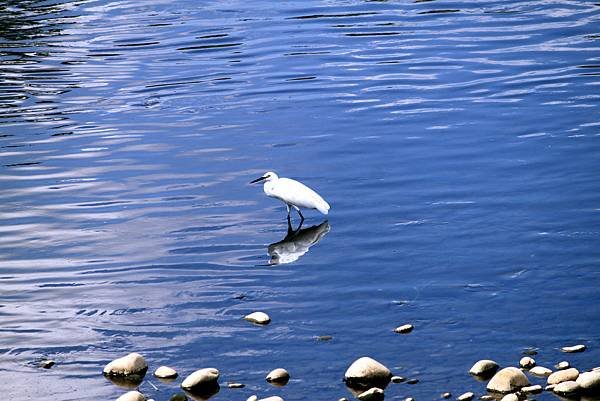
point(457, 142)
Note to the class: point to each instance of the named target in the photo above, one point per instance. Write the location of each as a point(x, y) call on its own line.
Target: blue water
point(458, 144)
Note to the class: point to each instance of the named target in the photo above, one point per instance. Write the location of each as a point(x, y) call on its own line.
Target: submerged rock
point(165, 372)
point(404, 329)
point(484, 367)
point(372, 394)
point(47, 364)
point(540, 371)
point(567, 388)
point(563, 376)
point(398, 379)
point(446, 395)
point(203, 378)
point(507, 380)
point(574, 348)
point(278, 377)
point(468, 396)
point(236, 385)
point(132, 396)
point(130, 364)
point(527, 362)
point(258, 318)
point(365, 373)
point(590, 382)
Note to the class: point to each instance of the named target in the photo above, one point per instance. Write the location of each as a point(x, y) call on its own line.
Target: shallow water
point(457, 142)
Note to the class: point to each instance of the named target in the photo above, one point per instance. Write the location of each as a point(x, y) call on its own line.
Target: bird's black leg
point(301, 217)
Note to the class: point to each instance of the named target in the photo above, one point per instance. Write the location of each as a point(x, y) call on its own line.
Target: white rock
point(404, 329)
point(540, 371)
point(258, 318)
point(200, 378)
point(563, 376)
point(165, 372)
point(510, 397)
point(483, 367)
point(527, 362)
point(132, 396)
point(278, 375)
point(590, 382)
point(446, 395)
point(236, 385)
point(372, 394)
point(468, 396)
point(486, 397)
point(272, 398)
point(550, 387)
point(130, 364)
point(567, 388)
point(253, 397)
point(343, 399)
point(562, 365)
point(574, 348)
point(507, 380)
point(398, 379)
point(532, 389)
point(409, 399)
point(366, 372)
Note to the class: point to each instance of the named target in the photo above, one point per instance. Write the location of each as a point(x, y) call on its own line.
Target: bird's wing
point(296, 193)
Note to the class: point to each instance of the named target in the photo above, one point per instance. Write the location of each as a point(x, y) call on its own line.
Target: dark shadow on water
point(296, 243)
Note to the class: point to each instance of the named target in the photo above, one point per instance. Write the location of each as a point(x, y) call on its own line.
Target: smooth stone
point(487, 397)
point(272, 398)
point(236, 385)
point(535, 389)
point(550, 387)
point(165, 372)
point(372, 394)
point(47, 364)
point(201, 378)
point(562, 365)
point(540, 371)
point(412, 381)
point(132, 396)
point(468, 396)
point(343, 399)
point(446, 395)
point(510, 397)
point(567, 388)
point(590, 382)
point(324, 338)
point(409, 399)
point(507, 380)
point(527, 362)
point(278, 376)
point(398, 379)
point(365, 373)
point(258, 318)
point(566, 375)
point(130, 364)
point(253, 397)
point(404, 329)
point(484, 367)
point(574, 348)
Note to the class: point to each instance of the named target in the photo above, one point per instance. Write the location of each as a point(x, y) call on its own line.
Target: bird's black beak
point(258, 180)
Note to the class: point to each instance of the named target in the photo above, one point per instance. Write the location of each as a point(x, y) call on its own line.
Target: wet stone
point(412, 381)
point(532, 389)
point(201, 378)
point(258, 318)
point(372, 394)
point(590, 382)
point(540, 371)
point(130, 364)
point(484, 367)
point(324, 338)
point(510, 397)
point(404, 329)
point(507, 380)
point(527, 362)
point(252, 398)
point(573, 348)
point(468, 396)
point(278, 377)
point(409, 399)
point(560, 376)
point(446, 395)
point(47, 364)
point(562, 365)
point(236, 385)
point(365, 373)
point(178, 397)
point(132, 396)
point(398, 379)
point(165, 372)
point(549, 387)
point(567, 388)
point(486, 397)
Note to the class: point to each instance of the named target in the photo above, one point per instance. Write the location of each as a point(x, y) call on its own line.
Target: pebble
point(398, 379)
point(532, 389)
point(252, 398)
point(278, 377)
point(47, 364)
point(165, 372)
point(412, 381)
point(527, 362)
point(446, 395)
point(486, 397)
point(560, 376)
point(366, 372)
point(409, 399)
point(590, 381)
point(236, 385)
point(324, 338)
point(567, 388)
point(372, 394)
point(468, 396)
point(258, 318)
point(510, 397)
point(574, 348)
point(404, 329)
point(550, 387)
point(130, 364)
point(540, 371)
point(507, 380)
point(562, 365)
point(484, 367)
point(132, 396)
point(201, 378)
point(343, 399)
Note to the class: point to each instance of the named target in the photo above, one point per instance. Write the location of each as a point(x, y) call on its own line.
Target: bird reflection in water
point(296, 243)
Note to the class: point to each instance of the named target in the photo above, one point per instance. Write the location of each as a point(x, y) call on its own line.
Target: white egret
point(293, 193)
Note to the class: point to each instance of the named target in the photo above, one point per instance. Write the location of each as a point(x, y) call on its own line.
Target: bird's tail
point(323, 206)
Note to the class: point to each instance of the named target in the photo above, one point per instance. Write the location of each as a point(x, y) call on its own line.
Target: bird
point(293, 193)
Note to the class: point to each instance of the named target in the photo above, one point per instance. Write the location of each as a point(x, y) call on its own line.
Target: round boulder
point(568, 388)
point(131, 364)
point(484, 367)
point(278, 377)
point(165, 372)
point(507, 380)
point(203, 378)
point(365, 373)
point(258, 318)
point(527, 362)
point(589, 382)
point(540, 371)
point(566, 375)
